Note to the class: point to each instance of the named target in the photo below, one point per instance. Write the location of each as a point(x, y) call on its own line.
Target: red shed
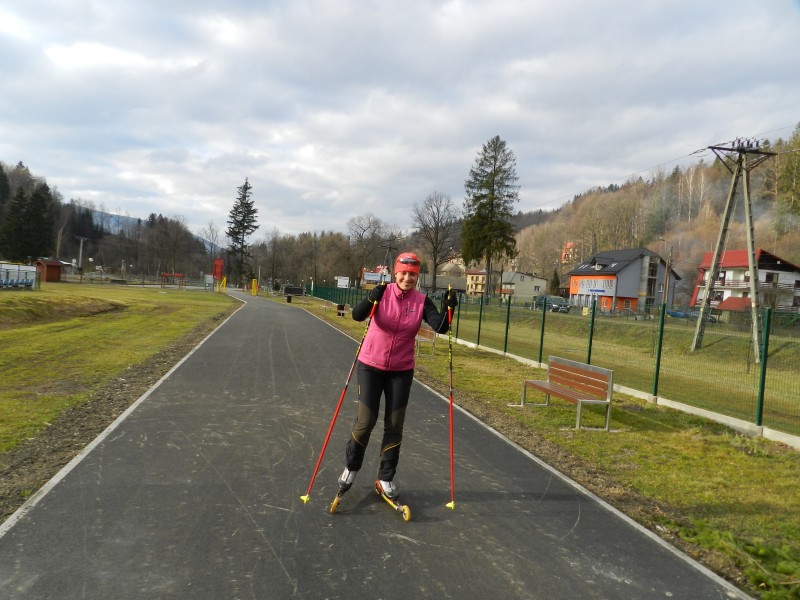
point(49, 270)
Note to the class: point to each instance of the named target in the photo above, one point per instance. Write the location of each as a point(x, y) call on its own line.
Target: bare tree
point(367, 232)
point(436, 222)
point(211, 234)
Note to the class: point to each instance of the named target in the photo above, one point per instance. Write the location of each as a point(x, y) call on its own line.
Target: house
point(476, 282)
point(630, 280)
point(522, 286)
point(778, 282)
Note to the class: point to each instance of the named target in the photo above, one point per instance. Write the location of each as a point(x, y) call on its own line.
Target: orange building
point(621, 280)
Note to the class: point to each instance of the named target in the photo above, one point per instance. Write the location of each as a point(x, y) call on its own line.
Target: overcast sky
point(339, 108)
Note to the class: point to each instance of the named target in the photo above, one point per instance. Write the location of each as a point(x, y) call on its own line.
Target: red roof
point(734, 304)
point(737, 259)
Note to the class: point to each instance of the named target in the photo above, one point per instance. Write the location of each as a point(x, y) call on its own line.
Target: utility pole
point(80, 255)
point(740, 158)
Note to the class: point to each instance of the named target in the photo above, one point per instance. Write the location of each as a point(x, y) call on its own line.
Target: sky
point(335, 109)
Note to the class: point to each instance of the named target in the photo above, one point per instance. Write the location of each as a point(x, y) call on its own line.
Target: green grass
point(63, 342)
point(733, 499)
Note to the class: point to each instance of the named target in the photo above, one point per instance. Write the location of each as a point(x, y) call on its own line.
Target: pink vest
point(389, 344)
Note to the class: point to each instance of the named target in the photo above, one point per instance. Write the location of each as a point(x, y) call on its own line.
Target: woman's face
point(406, 280)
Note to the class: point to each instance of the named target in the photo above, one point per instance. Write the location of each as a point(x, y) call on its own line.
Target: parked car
point(552, 302)
point(709, 318)
point(562, 308)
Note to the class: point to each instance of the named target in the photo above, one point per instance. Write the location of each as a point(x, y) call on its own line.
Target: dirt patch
point(29, 466)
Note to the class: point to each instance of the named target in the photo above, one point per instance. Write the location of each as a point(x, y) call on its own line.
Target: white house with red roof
point(778, 281)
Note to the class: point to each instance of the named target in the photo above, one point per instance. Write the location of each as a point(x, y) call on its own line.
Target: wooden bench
point(327, 304)
point(342, 309)
point(575, 382)
point(425, 335)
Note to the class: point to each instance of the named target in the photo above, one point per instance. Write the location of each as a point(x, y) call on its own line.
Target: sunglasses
point(408, 261)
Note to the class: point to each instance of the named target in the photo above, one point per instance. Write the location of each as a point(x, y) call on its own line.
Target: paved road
point(195, 494)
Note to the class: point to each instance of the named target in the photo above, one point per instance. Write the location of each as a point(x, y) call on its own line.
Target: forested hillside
point(680, 209)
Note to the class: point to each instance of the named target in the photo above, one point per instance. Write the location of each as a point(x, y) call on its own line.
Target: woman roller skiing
point(385, 368)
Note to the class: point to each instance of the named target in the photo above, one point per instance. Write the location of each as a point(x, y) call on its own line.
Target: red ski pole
point(306, 498)
point(452, 504)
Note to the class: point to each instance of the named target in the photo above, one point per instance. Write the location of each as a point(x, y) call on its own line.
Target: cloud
point(336, 109)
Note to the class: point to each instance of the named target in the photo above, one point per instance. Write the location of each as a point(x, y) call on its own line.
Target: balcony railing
point(762, 285)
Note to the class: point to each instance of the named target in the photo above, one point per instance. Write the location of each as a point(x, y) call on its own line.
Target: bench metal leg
point(524, 395)
point(608, 416)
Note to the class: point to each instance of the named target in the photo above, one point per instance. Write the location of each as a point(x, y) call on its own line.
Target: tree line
point(677, 211)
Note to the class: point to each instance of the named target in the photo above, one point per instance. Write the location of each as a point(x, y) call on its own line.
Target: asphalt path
point(195, 493)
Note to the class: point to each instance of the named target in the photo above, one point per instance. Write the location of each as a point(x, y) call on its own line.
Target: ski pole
point(305, 498)
point(452, 504)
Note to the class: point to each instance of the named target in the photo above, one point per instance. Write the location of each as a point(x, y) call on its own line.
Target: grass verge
point(62, 343)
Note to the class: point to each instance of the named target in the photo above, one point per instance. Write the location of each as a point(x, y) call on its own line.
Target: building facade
point(622, 280)
point(778, 282)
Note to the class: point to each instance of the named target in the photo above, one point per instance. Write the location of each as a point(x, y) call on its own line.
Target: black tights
point(395, 386)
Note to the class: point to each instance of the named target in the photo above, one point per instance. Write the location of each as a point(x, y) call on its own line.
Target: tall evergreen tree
point(13, 229)
point(27, 231)
point(241, 224)
point(491, 191)
point(40, 214)
point(5, 192)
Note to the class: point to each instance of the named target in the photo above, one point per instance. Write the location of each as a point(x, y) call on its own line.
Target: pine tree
point(13, 230)
point(27, 231)
point(5, 192)
point(241, 224)
point(40, 215)
point(491, 189)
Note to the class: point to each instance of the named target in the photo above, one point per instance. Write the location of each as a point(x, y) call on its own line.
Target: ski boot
point(388, 491)
point(345, 482)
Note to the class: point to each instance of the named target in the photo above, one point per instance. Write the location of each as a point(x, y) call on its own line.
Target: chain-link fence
point(652, 353)
point(728, 374)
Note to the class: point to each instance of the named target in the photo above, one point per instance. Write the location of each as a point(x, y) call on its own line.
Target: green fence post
point(541, 334)
point(659, 343)
point(458, 318)
point(591, 332)
point(480, 318)
point(508, 316)
point(763, 375)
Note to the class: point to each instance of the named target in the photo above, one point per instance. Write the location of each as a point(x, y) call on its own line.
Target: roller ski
point(345, 482)
point(394, 502)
